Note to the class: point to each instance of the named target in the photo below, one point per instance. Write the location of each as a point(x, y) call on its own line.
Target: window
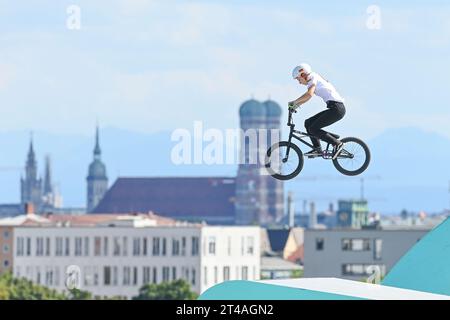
point(183, 246)
point(229, 246)
point(245, 273)
point(195, 246)
point(97, 246)
point(28, 246)
point(20, 245)
point(5, 263)
point(319, 244)
point(47, 246)
point(144, 246)
point(67, 251)
point(116, 246)
point(377, 249)
point(346, 244)
point(358, 269)
point(165, 274)
point(126, 275)
point(146, 275)
point(5, 248)
point(212, 245)
point(88, 277)
point(96, 276)
point(107, 276)
point(174, 273)
point(6, 234)
point(205, 271)
point(49, 276)
point(356, 244)
point(155, 250)
point(175, 247)
point(115, 276)
point(193, 276)
point(38, 275)
point(105, 246)
point(86, 246)
point(39, 246)
point(135, 276)
point(155, 275)
point(250, 245)
point(136, 246)
point(59, 246)
point(164, 246)
point(226, 273)
point(78, 246)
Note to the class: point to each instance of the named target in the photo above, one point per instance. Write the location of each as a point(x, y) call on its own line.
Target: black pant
point(314, 125)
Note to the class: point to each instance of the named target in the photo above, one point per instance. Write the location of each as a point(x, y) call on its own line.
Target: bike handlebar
point(291, 111)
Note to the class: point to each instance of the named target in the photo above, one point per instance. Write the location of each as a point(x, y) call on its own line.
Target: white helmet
point(302, 68)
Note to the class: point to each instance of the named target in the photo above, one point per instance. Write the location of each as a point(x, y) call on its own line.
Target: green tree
point(22, 289)
point(174, 290)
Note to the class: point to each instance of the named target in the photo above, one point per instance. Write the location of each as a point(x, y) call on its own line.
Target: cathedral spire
point(97, 150)
point(31, 155)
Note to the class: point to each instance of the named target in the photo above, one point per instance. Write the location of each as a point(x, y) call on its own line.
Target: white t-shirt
point(324, 89)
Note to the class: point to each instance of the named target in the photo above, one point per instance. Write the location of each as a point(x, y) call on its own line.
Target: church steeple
point(31, 165)
point(97, 150)
point(31, 186)
point(97, 180)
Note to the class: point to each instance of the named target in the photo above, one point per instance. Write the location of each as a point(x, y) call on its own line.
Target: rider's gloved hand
point(292, 107)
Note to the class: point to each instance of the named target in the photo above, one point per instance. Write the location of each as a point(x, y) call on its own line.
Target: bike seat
point(334, 135)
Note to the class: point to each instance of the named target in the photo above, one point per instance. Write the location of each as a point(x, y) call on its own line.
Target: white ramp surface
point(355, 289)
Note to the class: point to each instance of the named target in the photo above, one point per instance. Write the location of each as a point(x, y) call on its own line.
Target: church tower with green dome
point(97, 180)
point(259, 197)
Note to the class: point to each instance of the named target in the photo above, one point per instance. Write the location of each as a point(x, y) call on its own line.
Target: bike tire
point(360, 169)
point(298, 168)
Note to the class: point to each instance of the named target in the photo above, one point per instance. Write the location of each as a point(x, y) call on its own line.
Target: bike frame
point(299, 135)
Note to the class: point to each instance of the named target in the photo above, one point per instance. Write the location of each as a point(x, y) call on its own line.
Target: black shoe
point(316, 152)
point(337, 150)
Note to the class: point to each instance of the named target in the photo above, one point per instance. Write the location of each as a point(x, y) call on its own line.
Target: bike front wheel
point(280, 164)
point(354, 157)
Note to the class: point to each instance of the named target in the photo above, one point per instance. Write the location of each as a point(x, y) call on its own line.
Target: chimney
point(29, 208)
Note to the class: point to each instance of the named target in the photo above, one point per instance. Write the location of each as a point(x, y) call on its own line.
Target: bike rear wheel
point(279, 165)
point(354, 157)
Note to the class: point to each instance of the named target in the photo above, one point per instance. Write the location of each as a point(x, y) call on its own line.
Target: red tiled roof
point(172, 196)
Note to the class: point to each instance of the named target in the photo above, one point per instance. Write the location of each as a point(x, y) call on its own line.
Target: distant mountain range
point(409, 167)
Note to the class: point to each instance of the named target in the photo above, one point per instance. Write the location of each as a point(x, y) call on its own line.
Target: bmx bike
point(284, 159)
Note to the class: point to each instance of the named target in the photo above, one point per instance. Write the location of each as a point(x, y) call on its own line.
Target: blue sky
point(150, 65)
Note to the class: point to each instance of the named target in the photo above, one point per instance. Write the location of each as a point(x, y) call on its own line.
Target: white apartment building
point(116, 257)
point(355, 254)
